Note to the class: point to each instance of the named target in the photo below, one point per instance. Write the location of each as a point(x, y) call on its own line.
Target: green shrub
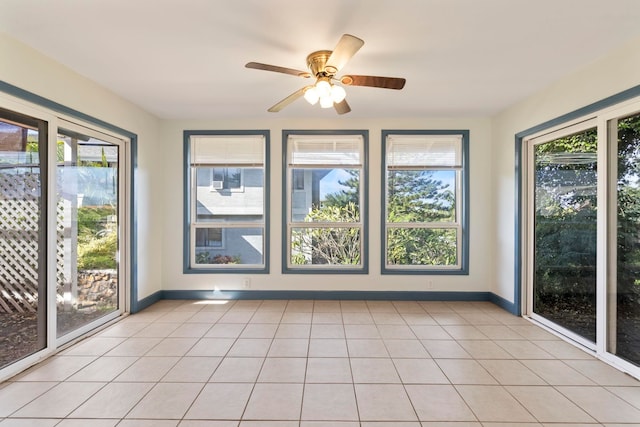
point(98, 253)
point(97, 238)
point(226, 259)
point(203, 258)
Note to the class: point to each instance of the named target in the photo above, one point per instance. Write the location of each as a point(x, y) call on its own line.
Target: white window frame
point(290, 139)
point(459, 166)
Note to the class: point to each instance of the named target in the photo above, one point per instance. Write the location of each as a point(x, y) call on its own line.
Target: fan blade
point(288, 100)
point(374, 81)
point(344, 50)
point(342, 107)
point(274, 68)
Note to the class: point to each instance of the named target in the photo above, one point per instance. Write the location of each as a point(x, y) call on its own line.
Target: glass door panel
point(87, 230)
point(23, 316)
point(564, 232)
point(624, 278)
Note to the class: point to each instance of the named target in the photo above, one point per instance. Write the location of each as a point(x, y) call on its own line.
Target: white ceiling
point(185, 58)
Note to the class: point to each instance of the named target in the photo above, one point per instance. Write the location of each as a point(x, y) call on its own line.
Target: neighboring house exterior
point(305, 191)
point(236, 194)
point(230, 194)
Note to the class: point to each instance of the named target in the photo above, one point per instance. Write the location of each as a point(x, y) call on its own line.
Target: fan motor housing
point(317, 63)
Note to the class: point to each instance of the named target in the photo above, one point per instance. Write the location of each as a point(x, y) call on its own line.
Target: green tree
point(350, 193)
point(565, 231)
point(414, 197)
point(628, 212)
point(417, 197)
point(339, 245)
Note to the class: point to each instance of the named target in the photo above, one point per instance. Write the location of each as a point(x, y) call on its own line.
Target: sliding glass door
point(564, 229)
point(62, 232)
point(23, 309)
point(623, 291)
point(583, 232)
point(89, 228)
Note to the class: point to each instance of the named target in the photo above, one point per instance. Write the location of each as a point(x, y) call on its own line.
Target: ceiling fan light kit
point(325, 92)
point(324, 65)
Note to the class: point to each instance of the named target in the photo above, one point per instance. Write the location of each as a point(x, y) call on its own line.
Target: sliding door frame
point(549, 135)
point(54, 115)
point(599, 115)
point(122, 264)
point(608, 227)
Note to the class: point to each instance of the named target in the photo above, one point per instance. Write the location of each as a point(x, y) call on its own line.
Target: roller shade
point(227, 150)
point(424, 151)
point(328, 150)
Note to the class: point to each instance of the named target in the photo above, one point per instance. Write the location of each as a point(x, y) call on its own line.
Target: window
point(298, 179)
point(226, 201)
point(324, 191)
point(209, 237)
point(425, 182)
point(226, 179)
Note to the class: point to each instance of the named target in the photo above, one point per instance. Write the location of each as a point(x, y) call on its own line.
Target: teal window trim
point(364, 269)
point(464, 214)
point(186, 239)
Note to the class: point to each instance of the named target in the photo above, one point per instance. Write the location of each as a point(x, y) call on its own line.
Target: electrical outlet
point(429, 284)
point(246, 283)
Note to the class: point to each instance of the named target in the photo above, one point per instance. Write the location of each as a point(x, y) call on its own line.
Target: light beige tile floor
point(321, 364)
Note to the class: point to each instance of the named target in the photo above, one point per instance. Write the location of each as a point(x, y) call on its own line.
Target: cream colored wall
point(480, 276)
point(159, 174)
point(618, 71)
point(27, 69)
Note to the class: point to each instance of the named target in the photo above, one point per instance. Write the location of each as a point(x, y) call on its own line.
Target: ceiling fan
point(324, 65)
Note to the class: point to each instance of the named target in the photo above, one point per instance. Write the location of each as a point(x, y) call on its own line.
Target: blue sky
point(330, 183)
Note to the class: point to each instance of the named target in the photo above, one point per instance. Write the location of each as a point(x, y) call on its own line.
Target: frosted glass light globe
point(326, 102)
point(311, 95)
point(338, 94)
point(324, 88)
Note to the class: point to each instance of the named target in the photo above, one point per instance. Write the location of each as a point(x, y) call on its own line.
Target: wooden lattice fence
point(19, 241)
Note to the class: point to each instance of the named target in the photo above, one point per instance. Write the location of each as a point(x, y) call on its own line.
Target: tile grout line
point(387, 320)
